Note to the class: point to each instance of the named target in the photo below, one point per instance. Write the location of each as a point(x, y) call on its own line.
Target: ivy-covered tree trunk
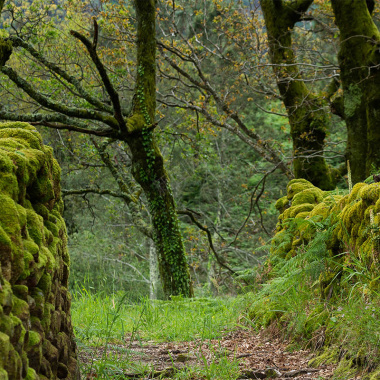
point(148, 164)
point(308, 118)
point(359, 60)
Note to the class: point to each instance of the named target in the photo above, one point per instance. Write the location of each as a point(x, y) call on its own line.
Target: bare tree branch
point(92, 132)
point(114, 194)
point(261, 145)
point(254, 202)
point(219, 259)
point(114, 96)
point(129, 198)
point(122, 263)
point(18, 42)
point(60, 122)
point(96, 34)
point(80, 113)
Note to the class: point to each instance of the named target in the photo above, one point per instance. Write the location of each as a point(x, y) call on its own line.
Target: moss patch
point(31, 229)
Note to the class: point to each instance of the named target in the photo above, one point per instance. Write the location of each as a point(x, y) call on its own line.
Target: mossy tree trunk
point(308, 116)
point(148, 164)
point(148, 170)
point(5, 47)
point(359, 60)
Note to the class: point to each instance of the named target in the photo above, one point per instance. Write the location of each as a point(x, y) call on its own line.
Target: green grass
point(113, 316)
point(107, 325)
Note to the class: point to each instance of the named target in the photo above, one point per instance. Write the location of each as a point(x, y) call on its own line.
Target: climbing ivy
point(167, 235)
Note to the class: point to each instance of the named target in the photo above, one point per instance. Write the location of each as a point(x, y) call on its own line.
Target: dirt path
point(258, 357)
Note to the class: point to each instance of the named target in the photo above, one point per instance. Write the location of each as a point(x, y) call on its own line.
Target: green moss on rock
point(4, 348)
point(31, 374)
point(354, 215)
point(3, 374)
point(20, 291)
point(45, 283)
point(35, 227)
point(311, 195)
point(295, 186)
point(33, 256)
point(300, 208)
point(282, 204)
point(20, 308)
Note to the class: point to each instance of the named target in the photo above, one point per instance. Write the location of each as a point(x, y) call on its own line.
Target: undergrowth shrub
point(294, 282)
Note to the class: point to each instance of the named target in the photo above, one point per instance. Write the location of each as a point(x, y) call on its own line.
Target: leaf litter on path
point(258, 357)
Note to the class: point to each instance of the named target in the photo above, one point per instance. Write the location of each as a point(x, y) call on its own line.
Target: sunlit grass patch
point(114, 318)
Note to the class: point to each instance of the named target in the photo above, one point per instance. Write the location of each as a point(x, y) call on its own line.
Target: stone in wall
point(36, 335)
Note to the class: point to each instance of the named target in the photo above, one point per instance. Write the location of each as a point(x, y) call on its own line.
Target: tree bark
point(308, 116)
point(359, 60)
point(148, 164)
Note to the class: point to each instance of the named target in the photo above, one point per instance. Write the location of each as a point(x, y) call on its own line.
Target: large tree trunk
point(149, 172)
point(359, 60)
point(5, 46)
point(148, 164)
point(308, 115)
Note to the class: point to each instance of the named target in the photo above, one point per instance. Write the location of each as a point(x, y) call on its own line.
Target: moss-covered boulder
point(303, 201)
point(34, 262)
point(354, 217)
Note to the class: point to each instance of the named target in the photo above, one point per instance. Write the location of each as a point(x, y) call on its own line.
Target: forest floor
point(239, 354)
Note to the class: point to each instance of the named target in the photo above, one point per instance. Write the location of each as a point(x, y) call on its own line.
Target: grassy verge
point(110, 327)
point(115, 317)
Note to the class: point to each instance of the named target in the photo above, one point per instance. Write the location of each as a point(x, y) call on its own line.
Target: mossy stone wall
point(36, 335)
point(354, 217)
